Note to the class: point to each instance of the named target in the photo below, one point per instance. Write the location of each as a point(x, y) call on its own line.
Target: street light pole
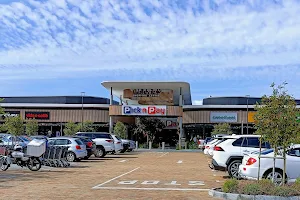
point(247, 112)
point(82, 94)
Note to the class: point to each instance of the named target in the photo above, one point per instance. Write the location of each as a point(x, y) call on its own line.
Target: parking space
point(148, 175)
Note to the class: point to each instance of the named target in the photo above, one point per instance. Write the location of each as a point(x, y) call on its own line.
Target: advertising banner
point(150, 96)
point(170, 123)
point(141, 110)
point(251, 117)
point(9, 114)
point(217, 117)
point(37, 115)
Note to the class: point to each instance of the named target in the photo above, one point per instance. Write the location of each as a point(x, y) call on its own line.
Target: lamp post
point(82, 95)
point(247, 112)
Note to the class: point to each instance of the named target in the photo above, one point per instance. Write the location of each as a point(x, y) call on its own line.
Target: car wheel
point(100, 152)
point(233, 169)
point(71, 157)
point(278, 176)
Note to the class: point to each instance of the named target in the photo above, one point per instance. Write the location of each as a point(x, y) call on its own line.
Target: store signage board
point(218, 117)
point(9, 114)
point(150, 96)
point(37, 115)
point(142, 110)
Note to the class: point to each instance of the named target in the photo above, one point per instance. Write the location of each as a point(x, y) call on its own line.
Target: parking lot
point(135, 175)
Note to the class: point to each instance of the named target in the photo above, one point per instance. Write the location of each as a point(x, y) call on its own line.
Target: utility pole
point(247, 112)
point(82, 95)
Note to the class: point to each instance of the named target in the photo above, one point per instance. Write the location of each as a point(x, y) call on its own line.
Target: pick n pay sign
point(141, 110)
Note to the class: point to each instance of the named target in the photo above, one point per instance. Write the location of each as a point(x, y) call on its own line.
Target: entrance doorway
point(169, 136)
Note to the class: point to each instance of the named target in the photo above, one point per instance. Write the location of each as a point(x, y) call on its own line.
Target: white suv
point(228, 155)
point(104, 142)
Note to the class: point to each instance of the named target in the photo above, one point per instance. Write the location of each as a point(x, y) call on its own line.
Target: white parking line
point(122, 160)
point(98, 186)
point(179, 161)
point(163, 154)
point(166, 189)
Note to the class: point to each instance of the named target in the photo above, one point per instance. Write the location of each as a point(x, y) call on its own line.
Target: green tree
point(222, 128)
point(32, 127)
point(86, 126)
point(14, 125)
point(120, 130)
point(149, 126)
point(71, 128)
point(275, 120)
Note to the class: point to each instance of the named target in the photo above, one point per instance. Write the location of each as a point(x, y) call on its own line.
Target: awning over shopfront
point(159, 93)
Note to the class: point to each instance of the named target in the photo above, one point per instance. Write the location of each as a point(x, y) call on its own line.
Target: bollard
point(150, 145)
point(185, 145)
point(163, 146)
point(136, 145)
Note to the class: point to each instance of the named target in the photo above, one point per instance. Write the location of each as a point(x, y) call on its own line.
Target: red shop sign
point(37, 115)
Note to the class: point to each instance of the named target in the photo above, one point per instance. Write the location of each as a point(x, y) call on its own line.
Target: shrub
point(155, 145)
point(266, 186)
point(192, 145)
point(251, 189)
point(284, 191)
point(297, 181)
point(230, 186)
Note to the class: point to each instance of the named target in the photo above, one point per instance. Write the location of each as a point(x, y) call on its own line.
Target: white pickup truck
point(104, 142)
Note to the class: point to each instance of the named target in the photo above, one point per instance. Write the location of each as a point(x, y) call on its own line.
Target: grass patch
point(263, 187)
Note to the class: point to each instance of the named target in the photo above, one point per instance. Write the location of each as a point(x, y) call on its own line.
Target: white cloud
point(75, 38)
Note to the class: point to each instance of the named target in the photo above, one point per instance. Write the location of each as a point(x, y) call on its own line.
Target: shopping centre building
point(170, 101)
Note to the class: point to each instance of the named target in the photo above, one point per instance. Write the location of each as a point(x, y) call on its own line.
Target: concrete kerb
point(169, 150)
point(230, 196)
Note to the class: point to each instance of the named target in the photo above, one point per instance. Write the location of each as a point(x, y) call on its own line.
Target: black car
point(90, 145)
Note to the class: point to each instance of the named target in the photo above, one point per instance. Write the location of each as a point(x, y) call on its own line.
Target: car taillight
point(206, 147)
point(251, 161)
point(118, 142)
point(109, 140)
point(216, 148)
point(78, 147)
point(90, 144)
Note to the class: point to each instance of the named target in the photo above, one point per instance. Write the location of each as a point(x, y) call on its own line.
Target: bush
point(230, 186)
point(297, 182)
point(155, 145)
point(251, 189)
point(284, 191)
point(263, 187)
point(192, 145)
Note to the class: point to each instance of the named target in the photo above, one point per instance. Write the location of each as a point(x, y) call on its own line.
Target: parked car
point(132, 145)
point(201, 144)
point(104, 142)
point(39, 137)
point(77, 149)
point(118, 143)
point(8, 139)
point(90, 145)
point(228, 155)
point(210, 145)
point(208, 139)
point(249, 167)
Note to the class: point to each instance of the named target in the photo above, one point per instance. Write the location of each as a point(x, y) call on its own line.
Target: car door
point(293, 163)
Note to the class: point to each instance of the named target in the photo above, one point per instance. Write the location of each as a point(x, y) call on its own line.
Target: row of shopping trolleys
point(55, 156)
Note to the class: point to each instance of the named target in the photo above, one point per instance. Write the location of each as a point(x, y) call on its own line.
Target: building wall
point(66, 115)
point(203, 116)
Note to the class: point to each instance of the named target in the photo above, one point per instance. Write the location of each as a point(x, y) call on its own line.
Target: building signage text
point(37, 115)
point(223, 117)
point(10, 114)
point(146, 92)
point(144, 110)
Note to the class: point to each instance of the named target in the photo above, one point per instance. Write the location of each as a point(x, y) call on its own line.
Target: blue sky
point(221, 47)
